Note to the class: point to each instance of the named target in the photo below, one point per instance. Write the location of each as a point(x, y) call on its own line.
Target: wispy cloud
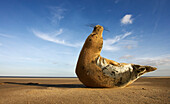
point(116, 1)
point(57, 14)
point(129, 46)
point(109, 44)
point(52, 37)
point(127, 19)
point(126, 57)
point(5, 35)
point(10, 57)
point(154, 61)
point(28, 59)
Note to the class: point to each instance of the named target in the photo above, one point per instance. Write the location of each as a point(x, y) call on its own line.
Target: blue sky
point(44, 37)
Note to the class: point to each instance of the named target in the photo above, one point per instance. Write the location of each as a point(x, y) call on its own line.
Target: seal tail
point(149, 68)
point(142, 69)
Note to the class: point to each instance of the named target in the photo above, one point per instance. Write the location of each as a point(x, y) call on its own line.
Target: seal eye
point(89, 39)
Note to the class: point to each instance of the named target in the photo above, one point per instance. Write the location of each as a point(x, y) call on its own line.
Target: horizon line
point(56, 77)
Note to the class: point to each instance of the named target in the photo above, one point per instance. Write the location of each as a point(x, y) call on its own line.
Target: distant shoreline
point(55, 77)
point(32, 77)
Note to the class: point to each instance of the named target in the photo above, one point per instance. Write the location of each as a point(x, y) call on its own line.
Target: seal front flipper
point(112, 62)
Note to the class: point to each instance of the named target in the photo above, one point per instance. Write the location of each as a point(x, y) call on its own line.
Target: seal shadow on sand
point(50, 85)
point(140, 82)
point(56, 85)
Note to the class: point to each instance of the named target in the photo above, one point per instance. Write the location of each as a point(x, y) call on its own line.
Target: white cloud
point(162, 63)
point(127, 19)
point(108, 43)
point(5, 35)
point(57, 14)
point(155, 61)
point(52, 38)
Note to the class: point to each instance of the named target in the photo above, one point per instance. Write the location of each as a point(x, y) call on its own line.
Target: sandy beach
point(146, 90)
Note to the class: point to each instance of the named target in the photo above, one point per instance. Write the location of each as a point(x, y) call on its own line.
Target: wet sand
point(146, 90)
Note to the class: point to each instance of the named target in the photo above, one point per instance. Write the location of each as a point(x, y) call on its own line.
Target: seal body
point(96, 71)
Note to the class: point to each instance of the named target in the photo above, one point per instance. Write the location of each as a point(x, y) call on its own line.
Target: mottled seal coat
point(96, 71)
